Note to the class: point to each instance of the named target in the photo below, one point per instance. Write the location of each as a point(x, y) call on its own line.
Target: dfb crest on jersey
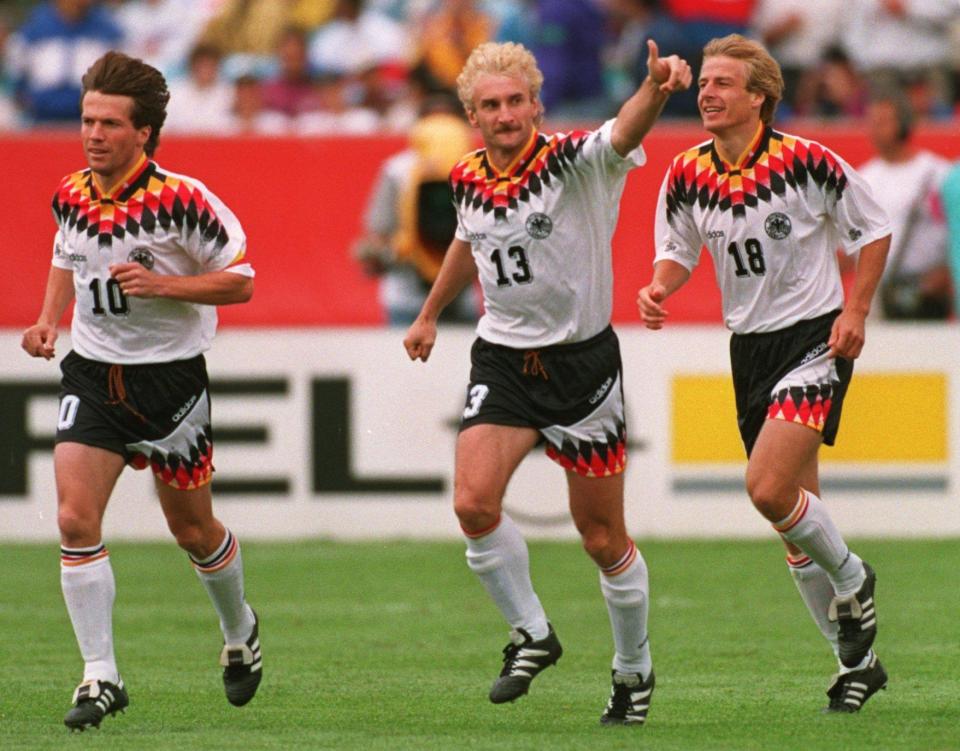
point(539, 225)
point(143, 256)
point(778, 225)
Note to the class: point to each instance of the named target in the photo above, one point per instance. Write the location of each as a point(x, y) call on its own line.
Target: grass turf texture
point(394, 646)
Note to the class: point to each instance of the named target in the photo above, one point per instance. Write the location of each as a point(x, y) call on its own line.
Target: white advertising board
point(335, 433)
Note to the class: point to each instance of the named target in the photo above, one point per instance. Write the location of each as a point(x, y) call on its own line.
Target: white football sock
point(222, 576)
point(626, 590)
point(810, 528)
point(817, 593)
point(89, 589)
point(500, 558)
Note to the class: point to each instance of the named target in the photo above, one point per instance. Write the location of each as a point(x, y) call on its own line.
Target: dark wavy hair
point(122, 75)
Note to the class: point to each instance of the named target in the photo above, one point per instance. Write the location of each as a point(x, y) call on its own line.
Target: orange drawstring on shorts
point(532, 365)
point(118, 392)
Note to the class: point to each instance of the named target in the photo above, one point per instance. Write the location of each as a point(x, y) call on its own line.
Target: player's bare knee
point(599, 543)
point(771, 499)
point(474, 511)
point(190, 536)
point(76, 529)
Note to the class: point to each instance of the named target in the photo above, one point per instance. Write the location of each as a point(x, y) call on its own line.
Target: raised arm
point(849, 330)
point(456, 272)
point(668, 277)
point(38, 340)
point(637, 115)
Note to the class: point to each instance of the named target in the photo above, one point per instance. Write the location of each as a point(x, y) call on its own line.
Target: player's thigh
point(784, 457)
point(85, 477)
point(487, 457)
point(596, 502)
point(189, 515)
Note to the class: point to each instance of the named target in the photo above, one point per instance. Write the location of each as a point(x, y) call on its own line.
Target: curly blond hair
point(499, 59)
point(763, 72)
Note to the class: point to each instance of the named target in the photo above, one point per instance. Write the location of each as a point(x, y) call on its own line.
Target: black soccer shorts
point(786, 375)
point(155, 415)
point(571, 393)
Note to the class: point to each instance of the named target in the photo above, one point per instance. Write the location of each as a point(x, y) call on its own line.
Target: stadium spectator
point(536, 214)
point(292, 91)
point(446, 38)
point(951, 203)
point(248, 116)
point(356, 39)
point(246, 32)
point(905, 44)
point(9, 114)
point(310, 14)
point(201, 102)
point(135, 387)
point(625, 58)
point(515, 21)
point(798, 33)
point(568, 41)
point(916, 281)
point(162, 32)
point(700, 21)
point(48, 54)
point(770, 208)
point(839, 91)
point(410, 219)
point(341, 109)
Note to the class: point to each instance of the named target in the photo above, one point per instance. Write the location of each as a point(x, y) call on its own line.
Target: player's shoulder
point(80, 177)
point(692, 153)
point(800, 147)
point(72, 188)
point(690, 165)
point(468, 165)
point(176, 179)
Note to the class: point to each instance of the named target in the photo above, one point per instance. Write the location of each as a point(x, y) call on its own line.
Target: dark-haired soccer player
point(536, 214)
point(147, 254)
point(772, 209)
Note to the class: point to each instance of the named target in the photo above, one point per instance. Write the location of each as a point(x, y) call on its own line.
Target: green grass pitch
point(394, 646)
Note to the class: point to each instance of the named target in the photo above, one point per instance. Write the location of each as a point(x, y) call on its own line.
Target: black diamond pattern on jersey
point(797, 171)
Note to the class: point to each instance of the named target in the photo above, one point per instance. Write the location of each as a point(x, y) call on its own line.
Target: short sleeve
point(216, 240)
point(858, 218)
point(676, 237)
point(599, 147)
point(61, 253)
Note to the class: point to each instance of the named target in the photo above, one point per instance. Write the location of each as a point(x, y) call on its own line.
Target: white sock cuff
point(222, 557)
point(623, 563)
point(796, 514)
point(73, 558)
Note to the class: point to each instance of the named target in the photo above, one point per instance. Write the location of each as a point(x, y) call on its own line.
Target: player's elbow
point(243, 291)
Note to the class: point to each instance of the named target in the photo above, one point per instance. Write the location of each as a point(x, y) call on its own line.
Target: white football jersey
point(915, 210)
point(169, 223)
point(772, 224)
point(540, 235)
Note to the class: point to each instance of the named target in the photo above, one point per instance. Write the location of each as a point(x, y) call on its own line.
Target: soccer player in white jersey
point(772, 209)
point(535, 217)
point(147, 254)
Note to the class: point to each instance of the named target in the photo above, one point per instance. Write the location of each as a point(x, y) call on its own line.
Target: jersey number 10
point(116, 300)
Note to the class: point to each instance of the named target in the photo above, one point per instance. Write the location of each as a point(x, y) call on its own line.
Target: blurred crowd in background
point(353, 67)
point(362, 66)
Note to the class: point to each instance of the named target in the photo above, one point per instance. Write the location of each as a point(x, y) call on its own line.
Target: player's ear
point(143, 135)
